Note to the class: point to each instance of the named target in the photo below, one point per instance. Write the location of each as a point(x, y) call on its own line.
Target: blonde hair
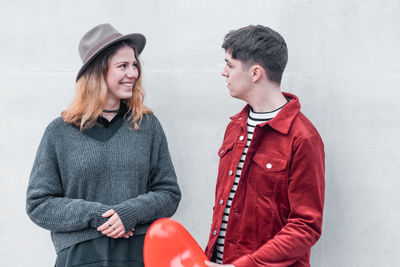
point(91, 93)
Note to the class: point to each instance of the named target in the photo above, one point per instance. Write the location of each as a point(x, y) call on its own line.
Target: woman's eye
point(122, 66)
point(135, 65)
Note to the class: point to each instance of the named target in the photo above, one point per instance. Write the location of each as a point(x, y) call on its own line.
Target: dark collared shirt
point(104, 129)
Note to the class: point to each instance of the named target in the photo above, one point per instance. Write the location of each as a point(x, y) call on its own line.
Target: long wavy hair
point(91, 92)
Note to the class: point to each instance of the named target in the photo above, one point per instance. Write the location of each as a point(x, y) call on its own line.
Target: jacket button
point(241, 138)
point(215, 232)
point(221, 202)
point(230, 172)
point(269, 166)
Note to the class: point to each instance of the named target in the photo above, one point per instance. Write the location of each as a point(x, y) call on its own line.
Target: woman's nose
point(131, 72)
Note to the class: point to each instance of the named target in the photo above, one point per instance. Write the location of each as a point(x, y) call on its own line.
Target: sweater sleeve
point(306, 197)
point(46, 204)
point(163, 195)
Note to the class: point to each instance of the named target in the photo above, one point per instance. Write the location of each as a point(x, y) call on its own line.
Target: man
point(269, 195)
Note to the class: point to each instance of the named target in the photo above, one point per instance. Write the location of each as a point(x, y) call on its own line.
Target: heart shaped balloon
point(169, 244)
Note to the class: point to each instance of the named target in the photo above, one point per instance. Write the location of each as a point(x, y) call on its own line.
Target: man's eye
point(135, 65)
point(122, 66)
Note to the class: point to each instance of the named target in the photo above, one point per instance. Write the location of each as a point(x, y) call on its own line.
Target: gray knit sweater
point(75, 179)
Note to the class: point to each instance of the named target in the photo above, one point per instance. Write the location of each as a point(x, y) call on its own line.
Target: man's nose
point(224, 72)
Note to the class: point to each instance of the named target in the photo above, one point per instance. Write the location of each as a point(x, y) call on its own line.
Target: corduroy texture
point(276, 214)
point(75, 179)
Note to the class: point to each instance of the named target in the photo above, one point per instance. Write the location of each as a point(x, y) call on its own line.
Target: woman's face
point(121, 74)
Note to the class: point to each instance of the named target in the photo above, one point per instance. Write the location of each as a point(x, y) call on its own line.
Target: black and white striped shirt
point(253, 119)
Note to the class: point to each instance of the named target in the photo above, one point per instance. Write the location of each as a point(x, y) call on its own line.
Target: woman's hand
point(128, 234)
point(113, 227)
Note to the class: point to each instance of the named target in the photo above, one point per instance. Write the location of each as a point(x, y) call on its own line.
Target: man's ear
point(256, 72)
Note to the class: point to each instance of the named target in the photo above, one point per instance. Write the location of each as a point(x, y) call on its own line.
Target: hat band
point(101, 44)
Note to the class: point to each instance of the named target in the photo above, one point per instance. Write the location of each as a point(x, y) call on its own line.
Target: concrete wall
point(344, 63)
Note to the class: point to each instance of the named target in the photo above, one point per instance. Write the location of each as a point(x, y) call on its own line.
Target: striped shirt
point(253, 119)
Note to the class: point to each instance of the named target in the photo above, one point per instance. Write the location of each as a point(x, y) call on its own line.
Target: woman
point(103, 172)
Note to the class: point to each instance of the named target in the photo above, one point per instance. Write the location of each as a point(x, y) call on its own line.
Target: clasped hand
point(114, 227)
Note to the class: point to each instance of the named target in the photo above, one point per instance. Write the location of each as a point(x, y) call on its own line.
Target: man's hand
point(212, 264)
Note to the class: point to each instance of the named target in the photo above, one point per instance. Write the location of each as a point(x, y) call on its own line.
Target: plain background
point(344, 63)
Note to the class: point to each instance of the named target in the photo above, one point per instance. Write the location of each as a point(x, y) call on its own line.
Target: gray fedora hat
point(99, 38)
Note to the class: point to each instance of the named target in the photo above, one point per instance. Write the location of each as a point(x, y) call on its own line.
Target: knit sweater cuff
point(98, 219)
point(128, 216)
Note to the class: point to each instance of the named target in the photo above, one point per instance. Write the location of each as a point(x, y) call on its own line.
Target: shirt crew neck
point(267, 112)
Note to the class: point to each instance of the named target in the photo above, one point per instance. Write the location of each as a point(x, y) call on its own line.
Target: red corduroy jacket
point(276, 214)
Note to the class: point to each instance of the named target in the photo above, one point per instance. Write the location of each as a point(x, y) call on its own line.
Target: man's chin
point(235, 95)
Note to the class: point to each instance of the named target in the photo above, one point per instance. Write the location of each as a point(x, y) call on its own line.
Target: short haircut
point(258, 45)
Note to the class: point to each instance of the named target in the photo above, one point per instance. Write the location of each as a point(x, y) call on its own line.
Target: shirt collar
point(121, 112)
point(280, 122)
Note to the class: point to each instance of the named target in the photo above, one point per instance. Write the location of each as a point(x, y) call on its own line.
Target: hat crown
point(95, 38)
point(101, 37)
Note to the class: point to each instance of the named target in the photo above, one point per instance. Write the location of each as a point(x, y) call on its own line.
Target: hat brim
point(138, 40)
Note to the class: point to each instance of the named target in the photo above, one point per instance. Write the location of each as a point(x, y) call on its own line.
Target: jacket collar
point(281, 122)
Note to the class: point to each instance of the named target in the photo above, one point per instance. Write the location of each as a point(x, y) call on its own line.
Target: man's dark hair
point(261, 45)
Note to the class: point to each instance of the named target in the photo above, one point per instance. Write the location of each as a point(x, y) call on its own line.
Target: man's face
point(237, 76)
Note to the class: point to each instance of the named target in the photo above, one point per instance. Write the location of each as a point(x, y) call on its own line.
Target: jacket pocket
point(265, 174)
point(225, 148)
point(225, 155)
point(270, 163)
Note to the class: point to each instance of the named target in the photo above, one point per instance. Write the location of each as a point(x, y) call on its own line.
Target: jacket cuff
point(244, 261)
point(128, 216)
point(98, 219)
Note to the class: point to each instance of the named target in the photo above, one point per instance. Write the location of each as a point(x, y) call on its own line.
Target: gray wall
point(344, 63)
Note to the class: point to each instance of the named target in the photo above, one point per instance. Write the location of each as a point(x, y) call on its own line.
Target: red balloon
point(169, 244)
